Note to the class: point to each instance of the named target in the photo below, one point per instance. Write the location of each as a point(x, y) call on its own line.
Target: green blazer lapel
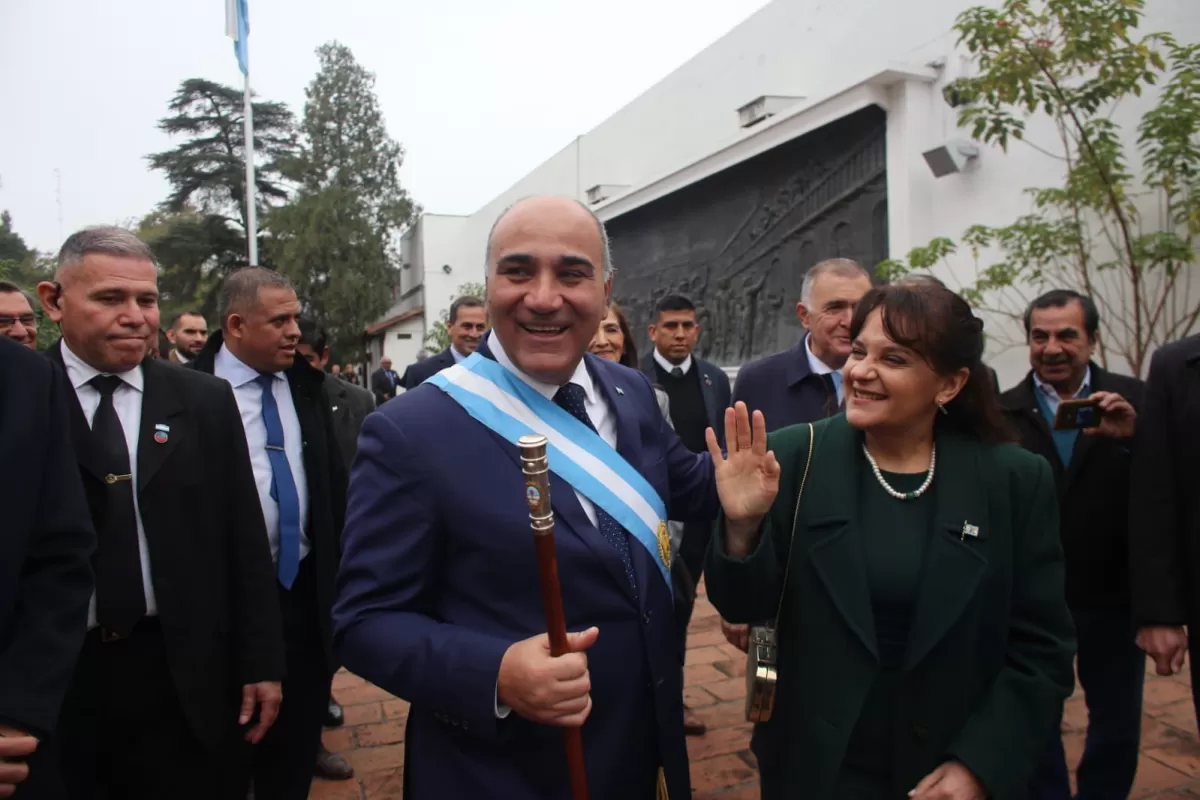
point(829, 511)
point(955, 558)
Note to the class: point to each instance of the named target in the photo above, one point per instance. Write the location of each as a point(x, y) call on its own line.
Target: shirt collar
point(581, 376)
point(80, 372)
point(183, 357)
point(684, 365)
point(457, 355)
point(233, 369)
point(815, 364)
point(1084, 389)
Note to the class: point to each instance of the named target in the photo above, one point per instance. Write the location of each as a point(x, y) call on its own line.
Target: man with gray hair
point(301, 482)
point(183, 644)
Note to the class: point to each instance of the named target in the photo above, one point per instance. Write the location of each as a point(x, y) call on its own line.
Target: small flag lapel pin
point(620, 391)
point(162, 433)
point(970, 530)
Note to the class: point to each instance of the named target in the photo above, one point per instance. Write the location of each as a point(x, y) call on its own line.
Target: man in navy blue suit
point(439, 598)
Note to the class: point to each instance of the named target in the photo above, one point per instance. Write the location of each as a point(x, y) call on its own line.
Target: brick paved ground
point(722, 767)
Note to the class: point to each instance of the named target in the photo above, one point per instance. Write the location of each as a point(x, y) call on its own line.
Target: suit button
point(920, 732)
point(658, 683)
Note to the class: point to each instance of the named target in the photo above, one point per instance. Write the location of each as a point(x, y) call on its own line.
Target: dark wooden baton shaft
point(541, 519)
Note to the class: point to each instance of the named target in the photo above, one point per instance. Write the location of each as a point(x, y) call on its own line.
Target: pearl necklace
point(924, 487)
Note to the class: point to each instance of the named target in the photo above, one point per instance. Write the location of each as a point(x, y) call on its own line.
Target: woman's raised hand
point(748, 477)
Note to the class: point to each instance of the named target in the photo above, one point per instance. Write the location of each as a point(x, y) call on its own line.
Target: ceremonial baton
point(541, 519)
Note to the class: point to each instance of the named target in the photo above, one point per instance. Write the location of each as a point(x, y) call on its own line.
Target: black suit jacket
point(349, 406)
point(209, 555)
point(714, 384)
point(419, 371)
point(46, 542)
point(1093, 493)
point(1165, 497)
point(381, 387)
point(785, 389)
point(325, 473)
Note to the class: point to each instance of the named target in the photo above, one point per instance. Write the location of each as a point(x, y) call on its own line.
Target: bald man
point(439, 598)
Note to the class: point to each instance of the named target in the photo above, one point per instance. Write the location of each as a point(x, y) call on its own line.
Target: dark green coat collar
point(954, 562)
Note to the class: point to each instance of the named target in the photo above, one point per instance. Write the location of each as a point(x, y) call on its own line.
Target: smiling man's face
point(546, 292)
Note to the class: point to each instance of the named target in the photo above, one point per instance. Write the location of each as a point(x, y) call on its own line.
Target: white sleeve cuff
point(501, 710)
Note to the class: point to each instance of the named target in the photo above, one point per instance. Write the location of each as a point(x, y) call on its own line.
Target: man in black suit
point(384, 382)
point(1092, 473)
point(46, 545)
point(301, 482)
point(698, 394)
point(1165, 508)
point(466, 323)
point(350, 405)
point(183, 644)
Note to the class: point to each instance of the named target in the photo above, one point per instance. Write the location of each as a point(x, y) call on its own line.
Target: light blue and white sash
point(576, 453)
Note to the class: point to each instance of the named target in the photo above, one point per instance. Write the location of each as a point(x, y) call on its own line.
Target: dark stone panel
point(739, 242)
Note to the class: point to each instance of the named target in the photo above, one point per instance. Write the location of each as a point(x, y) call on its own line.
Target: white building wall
point(441, 247)
point(812, 49)
point(402, 342)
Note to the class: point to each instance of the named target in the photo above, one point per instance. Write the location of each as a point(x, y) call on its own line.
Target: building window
point(403, 335)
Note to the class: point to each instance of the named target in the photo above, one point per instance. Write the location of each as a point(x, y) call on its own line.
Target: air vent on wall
point(763, 107)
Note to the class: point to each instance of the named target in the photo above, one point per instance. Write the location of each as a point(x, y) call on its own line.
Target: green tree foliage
point(12, 246)
point(188, 272)
point(336, 238)
point(199, 232)
point(438, 338)
point(1124, 235)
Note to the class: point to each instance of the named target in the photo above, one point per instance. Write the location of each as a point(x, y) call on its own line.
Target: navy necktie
point(117, 561)
point(571, 398)
point(283, 487)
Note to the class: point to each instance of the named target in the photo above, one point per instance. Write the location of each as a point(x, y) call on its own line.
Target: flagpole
point(251, 209)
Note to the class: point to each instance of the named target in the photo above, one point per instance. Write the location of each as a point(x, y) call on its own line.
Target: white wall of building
point(813, 49)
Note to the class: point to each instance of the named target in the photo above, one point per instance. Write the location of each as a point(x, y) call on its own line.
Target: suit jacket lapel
point(829, 509)
point(954, 562)
point(160, 405)
point(81, 432)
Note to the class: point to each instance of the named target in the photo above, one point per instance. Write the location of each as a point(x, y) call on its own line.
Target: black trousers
point(122, 734)
point(692, 551)
point(281, 765)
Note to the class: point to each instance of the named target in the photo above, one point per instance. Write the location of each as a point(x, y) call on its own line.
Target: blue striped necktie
point(571, 398)
point(283, 487)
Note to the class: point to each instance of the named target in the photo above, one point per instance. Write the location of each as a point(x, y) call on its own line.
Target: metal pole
point(251, 209)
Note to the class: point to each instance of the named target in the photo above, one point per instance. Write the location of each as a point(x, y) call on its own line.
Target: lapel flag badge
point(162, 433)
point(970, 530)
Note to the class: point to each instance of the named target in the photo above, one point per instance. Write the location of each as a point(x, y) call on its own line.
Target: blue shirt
point(1049, 401)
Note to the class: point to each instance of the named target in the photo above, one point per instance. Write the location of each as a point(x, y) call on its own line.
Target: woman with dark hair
point(613, 340)
point(924, 642)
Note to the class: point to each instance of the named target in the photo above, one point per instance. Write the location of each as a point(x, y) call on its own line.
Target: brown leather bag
point(762, 656)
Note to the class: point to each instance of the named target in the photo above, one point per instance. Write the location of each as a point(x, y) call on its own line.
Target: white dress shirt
point(127, 402)
point(458, 357)
point(248, 393)
point(819, 367)
point(597, 410)
point(684, 365)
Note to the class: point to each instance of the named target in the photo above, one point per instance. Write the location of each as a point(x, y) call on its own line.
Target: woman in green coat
point(925, 647)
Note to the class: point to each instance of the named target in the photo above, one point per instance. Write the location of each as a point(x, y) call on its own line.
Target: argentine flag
point(237, 27)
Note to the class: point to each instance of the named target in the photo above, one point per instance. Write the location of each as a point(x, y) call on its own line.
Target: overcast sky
point(479, 92)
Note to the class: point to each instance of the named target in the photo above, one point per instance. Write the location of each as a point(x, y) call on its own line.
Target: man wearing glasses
point(17, 320)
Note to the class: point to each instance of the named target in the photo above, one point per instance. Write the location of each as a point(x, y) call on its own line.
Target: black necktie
point(120, 598)
point(571, 398)
point(676, 372)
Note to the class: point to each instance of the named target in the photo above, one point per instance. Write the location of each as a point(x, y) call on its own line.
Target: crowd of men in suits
point(185, 563)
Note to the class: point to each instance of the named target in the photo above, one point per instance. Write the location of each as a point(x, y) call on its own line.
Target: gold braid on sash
point(662, 785)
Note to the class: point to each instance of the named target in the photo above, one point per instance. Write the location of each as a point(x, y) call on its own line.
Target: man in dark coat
point(46, 545)
point(384, 382)
point(1091, 473)
point(1165, 506)
point(698, 394)
point(301, 484)
point(349, 405)
point(183, 646)
point(466, 324)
